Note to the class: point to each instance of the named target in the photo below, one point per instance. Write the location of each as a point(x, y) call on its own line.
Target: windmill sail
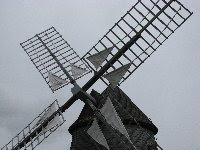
point(53, 123)
point(98, 58)
point(140, 32)
point(112, 118)
point(55, 81)
point(27, 132)
point(49, 52)
point(95, 132)
point(47, 114)
point(115, 76)
point(77, 71)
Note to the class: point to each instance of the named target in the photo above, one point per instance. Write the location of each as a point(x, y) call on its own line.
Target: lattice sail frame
point(43, 60)
point(122, 34)
point(31, 127)
point(151, 38)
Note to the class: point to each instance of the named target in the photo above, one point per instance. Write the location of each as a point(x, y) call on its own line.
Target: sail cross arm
point(112, 118)
point(95, 132)
point(77, 71)
point(55, 81)
point(47, 114)
point(52, 125)
point(115, 76)
point(98, 58)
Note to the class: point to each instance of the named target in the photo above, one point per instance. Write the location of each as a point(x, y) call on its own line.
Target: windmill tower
point(114, 121)
point(141, 131)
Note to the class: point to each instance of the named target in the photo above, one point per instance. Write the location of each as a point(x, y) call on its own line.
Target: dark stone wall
point(141, 136)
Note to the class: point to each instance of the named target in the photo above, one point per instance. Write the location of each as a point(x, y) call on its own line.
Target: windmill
point(133, 39)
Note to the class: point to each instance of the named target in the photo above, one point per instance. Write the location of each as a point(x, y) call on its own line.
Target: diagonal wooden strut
point(82, 93)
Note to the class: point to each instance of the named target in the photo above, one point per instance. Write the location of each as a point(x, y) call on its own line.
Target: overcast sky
point(166, 87)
